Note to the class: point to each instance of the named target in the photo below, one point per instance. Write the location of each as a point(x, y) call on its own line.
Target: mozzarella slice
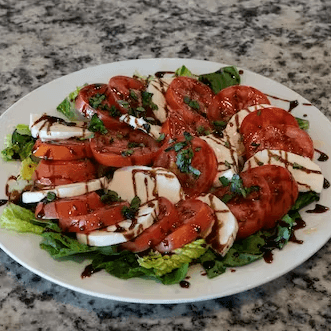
point(226, 155)
point(124, 230)
point(233, 126)
point(224, 231)
point(307, 174)
point(158, 87)
point(47, 128)
point(66, 191)
point(140, 124)
point(146, 183)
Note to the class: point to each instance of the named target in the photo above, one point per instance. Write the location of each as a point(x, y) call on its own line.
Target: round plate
point(24, 248)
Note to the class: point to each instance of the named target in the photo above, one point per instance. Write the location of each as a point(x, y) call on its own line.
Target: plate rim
point(136, 299)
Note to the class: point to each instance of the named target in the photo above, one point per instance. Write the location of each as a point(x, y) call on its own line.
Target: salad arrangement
point(162, 172)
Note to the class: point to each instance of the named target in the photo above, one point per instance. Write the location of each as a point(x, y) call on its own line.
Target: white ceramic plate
point(24, 248)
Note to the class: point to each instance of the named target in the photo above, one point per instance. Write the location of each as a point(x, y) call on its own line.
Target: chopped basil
point(110, 196)
point(184, 160)
point(133, 95)
point(219, 125)
point(227, 164)
point(51, 196)
point(123, 103)
point(191, 103)
point(224, 181)
point(227, 197)
point(161, 137)
point(127, 152)
point(96, 125)
point(183, 71)
point(130, 212)
point(113, 111)
point(297, 166)
point(96, 100)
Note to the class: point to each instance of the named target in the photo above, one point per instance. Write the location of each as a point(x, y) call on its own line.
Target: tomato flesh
point(283, 137)
point(197, 219)
point(124, 147)
point(68, 207)
point(233, 99)
point(191, 100)
point(52, 173)
point(203, 160)
point(59, 150)
point(97, 219)
point(167, 221)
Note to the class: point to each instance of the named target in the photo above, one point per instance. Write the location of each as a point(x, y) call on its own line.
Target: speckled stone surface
point(286, 40)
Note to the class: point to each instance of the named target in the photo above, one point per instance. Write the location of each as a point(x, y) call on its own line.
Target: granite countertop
point(288, 41)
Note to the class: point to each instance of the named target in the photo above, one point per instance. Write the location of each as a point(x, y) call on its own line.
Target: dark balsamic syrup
point(326, 184)
point(323, 157)
point(88, 271)
point(184, 284)
point(319, 209)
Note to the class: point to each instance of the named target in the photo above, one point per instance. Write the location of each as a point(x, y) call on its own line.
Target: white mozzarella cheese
point(66, 191)
point(140, 124)
point(233, 126)
point(226, 155)
point(46, 128)
point(146, 183)
point(124, 230)
point(158, 87)
point(223, 233)
point(307, 174)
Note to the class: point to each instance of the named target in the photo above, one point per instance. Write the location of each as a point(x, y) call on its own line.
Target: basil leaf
point(222, 78)
point(96, 125)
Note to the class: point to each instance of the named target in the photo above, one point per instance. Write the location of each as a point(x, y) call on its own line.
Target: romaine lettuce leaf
point(19, 219)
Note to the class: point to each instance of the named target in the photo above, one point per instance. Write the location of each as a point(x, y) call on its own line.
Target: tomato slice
point(195, 154)
point(261, 118)
point(232, 99)
point(251, 211)
point(124, 147)
point(197, 219)
point(64, 150)
point(68, 207)
point(191, 100)
point(126, 91)
point(284, 191)
point(52, 173)
point(283, 137)
point(167, 221)
point(97, 219)
point(175, 125)
point(99, 99)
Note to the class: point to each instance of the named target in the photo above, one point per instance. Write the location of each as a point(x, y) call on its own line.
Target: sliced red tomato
point(197, 219)
point(283, 137)
point(97, 219)
point(124, 147)
point(252, 210)
point(68, 207)
point(99, 99)
point(126, 91)
point(261, 118)
point(191, 99)
point(233, 99)
point(64, 150)
point(52, 173)
point(194, 164)
point(284, 191)
point(167, 221)
point(175, 125)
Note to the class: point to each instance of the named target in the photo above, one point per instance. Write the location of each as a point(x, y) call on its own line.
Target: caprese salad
point(148, 175)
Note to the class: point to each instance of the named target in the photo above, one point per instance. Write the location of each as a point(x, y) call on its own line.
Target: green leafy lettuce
point(67, 106)
point(19, 144)
point(19, 219)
